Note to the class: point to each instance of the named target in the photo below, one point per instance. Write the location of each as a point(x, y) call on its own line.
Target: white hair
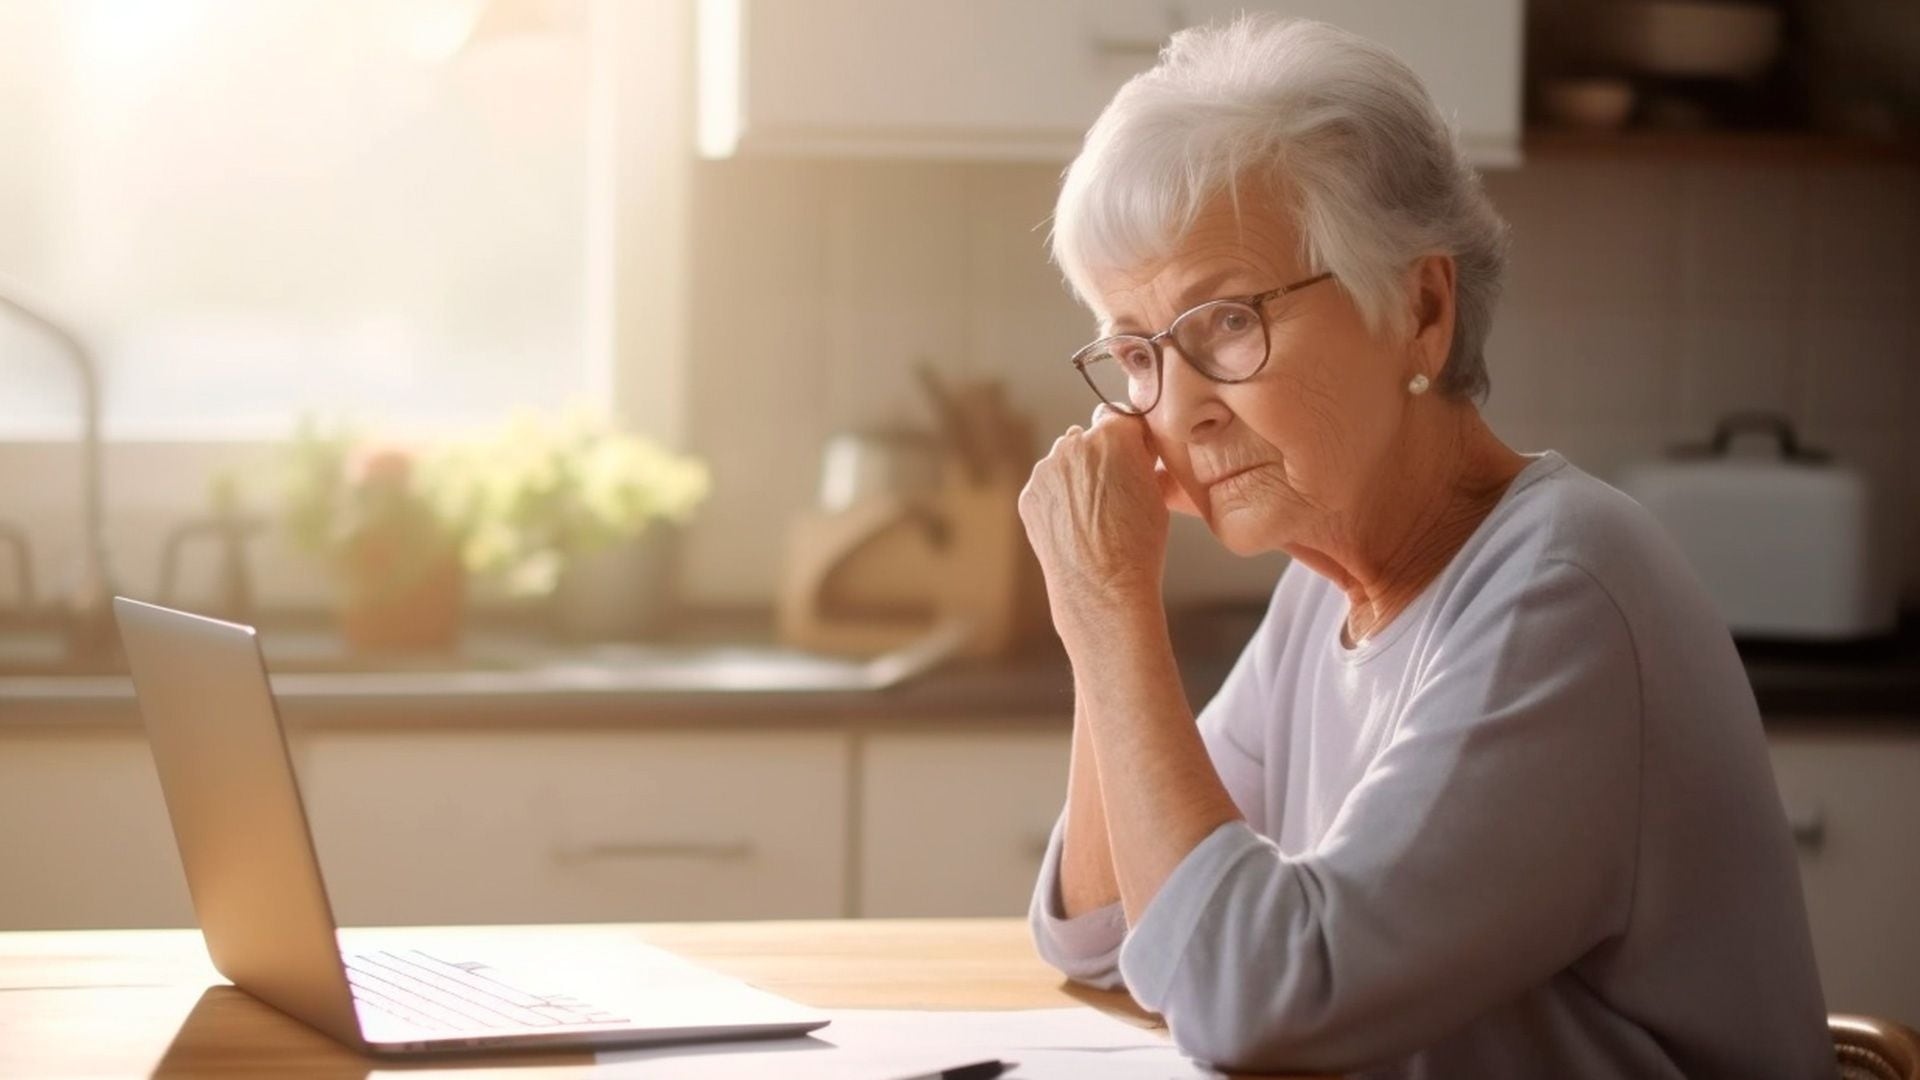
point(1330, 121)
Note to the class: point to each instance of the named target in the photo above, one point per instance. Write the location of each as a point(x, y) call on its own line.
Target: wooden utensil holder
point(885, 572)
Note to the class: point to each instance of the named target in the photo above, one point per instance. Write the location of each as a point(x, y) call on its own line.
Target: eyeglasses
point(1225, 340)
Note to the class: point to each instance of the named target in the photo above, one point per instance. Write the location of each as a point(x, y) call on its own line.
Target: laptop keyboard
point(439, 995)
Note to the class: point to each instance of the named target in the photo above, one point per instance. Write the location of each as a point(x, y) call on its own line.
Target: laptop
point(262, 904)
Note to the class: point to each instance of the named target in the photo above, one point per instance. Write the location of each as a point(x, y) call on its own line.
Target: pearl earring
point(1418, 384)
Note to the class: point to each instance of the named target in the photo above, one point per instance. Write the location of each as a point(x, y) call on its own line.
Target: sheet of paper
point(885, 1044)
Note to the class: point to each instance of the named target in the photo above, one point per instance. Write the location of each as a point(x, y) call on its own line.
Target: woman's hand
point(1095, 511)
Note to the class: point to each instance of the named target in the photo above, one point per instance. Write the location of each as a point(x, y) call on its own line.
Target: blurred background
point(606, 409)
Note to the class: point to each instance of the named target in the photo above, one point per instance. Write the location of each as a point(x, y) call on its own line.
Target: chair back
point(1867, 1048)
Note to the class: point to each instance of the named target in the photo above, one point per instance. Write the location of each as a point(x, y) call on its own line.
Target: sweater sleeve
point(1488, 846)
point(1086, 948)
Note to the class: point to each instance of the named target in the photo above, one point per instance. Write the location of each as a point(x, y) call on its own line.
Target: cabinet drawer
point(1854, 801)
point(86, 842)
point(517, 827)
point(955, 824)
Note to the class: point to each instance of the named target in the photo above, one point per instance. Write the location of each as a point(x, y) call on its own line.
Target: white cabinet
point(1468, 52)
point(84, 837)
point(526, 826)
point(1014, 79)
point(954, 823)
point(1854, 801)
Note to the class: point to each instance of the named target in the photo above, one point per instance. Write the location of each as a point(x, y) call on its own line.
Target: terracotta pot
point(416, 612)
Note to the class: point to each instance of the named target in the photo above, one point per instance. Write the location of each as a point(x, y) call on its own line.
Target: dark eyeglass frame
point(1256, 301)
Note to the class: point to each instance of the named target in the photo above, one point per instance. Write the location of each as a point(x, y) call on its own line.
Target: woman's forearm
point(1086, 855)
point(1158, 793)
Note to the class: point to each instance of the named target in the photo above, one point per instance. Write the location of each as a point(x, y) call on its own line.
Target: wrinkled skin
point(1317, 455)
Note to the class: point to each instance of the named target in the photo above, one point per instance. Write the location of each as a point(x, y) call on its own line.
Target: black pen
point(979, 1070)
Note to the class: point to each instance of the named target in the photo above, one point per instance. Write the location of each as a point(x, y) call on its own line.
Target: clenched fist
point(1095, 511)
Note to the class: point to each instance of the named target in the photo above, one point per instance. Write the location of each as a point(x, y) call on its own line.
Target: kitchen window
point(247, 211)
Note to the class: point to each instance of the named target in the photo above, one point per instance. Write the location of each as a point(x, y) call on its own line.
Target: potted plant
point(371, 513)
point(577, 512)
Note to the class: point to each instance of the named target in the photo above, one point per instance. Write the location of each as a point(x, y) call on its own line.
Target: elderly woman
point(1486, 795)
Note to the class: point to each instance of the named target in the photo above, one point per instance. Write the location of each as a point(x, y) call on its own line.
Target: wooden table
point(148, 1002)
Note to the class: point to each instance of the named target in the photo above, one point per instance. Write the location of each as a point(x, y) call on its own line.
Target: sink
point(44, 652)
point(506, 660)
point(288, 652)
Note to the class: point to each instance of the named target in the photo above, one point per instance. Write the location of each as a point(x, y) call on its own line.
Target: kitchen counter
point(723, 670)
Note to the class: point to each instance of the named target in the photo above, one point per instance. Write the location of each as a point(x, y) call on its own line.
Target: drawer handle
point(1809, 828)
point(708, 851)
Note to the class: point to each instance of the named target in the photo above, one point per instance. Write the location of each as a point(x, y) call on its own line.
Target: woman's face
point(1284, 459)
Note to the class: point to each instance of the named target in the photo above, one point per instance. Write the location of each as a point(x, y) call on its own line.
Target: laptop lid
point(235, 804)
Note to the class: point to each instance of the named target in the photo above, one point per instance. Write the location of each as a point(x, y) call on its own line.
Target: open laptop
point(262, 904)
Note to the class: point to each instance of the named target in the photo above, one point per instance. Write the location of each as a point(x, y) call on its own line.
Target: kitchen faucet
point(13, 539)
point(89, 613)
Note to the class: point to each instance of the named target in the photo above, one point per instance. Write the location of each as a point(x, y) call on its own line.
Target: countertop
point(722, 669)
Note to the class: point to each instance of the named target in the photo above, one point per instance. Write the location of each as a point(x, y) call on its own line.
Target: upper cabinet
point(1023, 80)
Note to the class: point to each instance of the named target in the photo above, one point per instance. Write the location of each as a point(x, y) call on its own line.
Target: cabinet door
point(86, 841)
point(1854, 801)
point(955, 824)
point(1467, 52)
point(529, 827)
point(912, 78)
point(1011, 79)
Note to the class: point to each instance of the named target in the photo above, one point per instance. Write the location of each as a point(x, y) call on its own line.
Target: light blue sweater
point(1528, 830)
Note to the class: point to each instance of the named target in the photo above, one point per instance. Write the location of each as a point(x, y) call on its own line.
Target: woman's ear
point(1430, 283)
